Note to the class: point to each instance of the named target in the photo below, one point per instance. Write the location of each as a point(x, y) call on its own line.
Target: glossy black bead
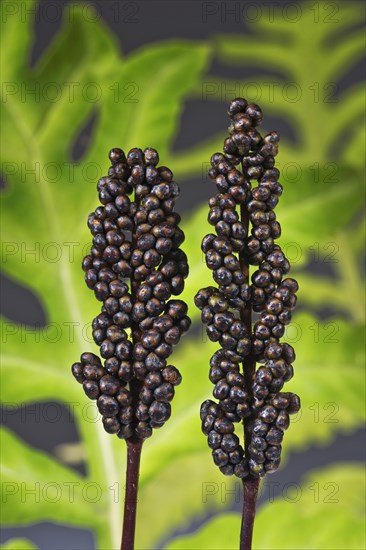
point(91, 389)
point(159, 412)
point(273, 453)
point(256, 455)
point(283, 420)
point(126, 415)
point(164, 393)
point(109, 385)
point(107, 405)
point(77, 371)
point(223, 426)
point(274, 436)
point(241, 470)
point(92, 372)
point(294, 405)
point(220, 457)
point(172, 375)
point(229, 442)
point(111, 424)
point(207, 424)
point(153, 362)
point(259, 443)
point(214, 439)
point(256, 469)
point(268, 414)
point(125, 371)
point(260, 428)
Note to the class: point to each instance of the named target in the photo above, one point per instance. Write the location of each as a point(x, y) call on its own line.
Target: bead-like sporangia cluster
point(134, 267)
point(254, 397)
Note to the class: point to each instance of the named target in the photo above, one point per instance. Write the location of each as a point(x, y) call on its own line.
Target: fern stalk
point(132, 479)
point(250, 396)
point(134, 449)
point(250, 484)
point(250, 493)
point(135, 266)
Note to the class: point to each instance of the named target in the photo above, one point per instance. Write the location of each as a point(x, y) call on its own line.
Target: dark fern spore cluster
point(229, 252)
point(135, 266)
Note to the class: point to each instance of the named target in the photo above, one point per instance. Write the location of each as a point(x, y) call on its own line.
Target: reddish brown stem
point(132, 480)
point(134, 447)
point(250, 484)
point(250, 492)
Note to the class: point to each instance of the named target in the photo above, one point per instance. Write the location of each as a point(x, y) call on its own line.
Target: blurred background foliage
point(301, 69)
